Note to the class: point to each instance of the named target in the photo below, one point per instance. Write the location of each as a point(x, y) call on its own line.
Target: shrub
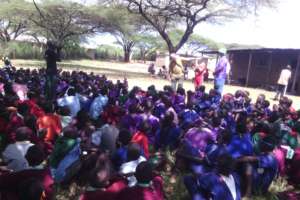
point(109, 52)
point(22, 50)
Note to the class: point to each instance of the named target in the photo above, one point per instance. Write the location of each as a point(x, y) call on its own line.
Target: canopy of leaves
point(13, 22)
point(164, 15)
point(62, 20)
point(124, 26)
point(195, 42)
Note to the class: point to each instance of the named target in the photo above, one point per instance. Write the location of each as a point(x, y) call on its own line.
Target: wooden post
point(269, 68)
point(249, 68)
point(296, 75)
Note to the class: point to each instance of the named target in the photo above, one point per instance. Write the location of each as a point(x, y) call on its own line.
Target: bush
point(22, 50)
point(27, 50)
point(109, 52)
point(73, 51)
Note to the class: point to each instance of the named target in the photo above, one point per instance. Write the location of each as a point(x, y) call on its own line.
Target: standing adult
point(283, 82)
point(176, 72)
point(51, 56)
point(221, 71)
point(199, 75)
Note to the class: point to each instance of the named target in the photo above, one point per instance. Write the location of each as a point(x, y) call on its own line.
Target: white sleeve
point(61, 102)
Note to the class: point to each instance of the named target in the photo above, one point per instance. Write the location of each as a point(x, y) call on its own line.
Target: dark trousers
point(280, 91)
point(50, 87)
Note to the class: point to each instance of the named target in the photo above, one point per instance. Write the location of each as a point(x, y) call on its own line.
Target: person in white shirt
point(134, 158)
point(14, 154)
point(283, 82)
point(71, 100)
point(98, 104)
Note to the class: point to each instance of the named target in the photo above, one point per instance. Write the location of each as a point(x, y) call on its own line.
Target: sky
point(276, 28)
point(273, 28)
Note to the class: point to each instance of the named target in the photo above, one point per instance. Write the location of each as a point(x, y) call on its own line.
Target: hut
point(261, 67)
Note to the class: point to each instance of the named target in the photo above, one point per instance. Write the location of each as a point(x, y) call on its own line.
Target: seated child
point(10, 182)
point(149, 187)
point(14, 154)
point(120, 156)
point(219, 185)
point(101, 184)
point(134, 157)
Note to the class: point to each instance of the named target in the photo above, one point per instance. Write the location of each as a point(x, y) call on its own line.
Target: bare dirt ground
point(137, 75)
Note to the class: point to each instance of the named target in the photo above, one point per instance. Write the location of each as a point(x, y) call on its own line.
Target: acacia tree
point(163, 15)
point(60, 21)
point(148, 44)
point(124, 26)
point(198, 43)
point(12, 20)
point(195, 43)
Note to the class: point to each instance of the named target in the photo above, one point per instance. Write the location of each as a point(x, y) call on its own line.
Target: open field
point(137, 75)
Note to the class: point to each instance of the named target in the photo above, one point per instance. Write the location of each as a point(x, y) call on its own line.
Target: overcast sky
point(278, 28)
point(272, 28)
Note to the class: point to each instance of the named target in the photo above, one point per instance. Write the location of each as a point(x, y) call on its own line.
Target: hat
point(222, 51)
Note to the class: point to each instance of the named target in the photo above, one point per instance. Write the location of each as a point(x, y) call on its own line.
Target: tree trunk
point(167, 39)
point(143, 55)
point(188, 32)
point(127, 56)
point(172, 49)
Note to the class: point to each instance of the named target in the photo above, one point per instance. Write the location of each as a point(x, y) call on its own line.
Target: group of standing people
point(220, 73)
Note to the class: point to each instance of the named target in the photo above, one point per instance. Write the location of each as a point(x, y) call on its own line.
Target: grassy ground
point(137, 75)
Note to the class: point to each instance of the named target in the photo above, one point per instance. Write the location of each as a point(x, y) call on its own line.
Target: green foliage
point(198, 41)
point(195, 42)
point(147, 45)
point(22, 50)
point(62, 20)
point(109, 52)
point(13, 21)
point(72, 50)
point(175, 35)
point(123, 25)
point(120, 23)
point(27, 50)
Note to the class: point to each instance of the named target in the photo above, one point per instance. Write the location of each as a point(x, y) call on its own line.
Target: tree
point(124, 26)
point(163, 15)
point(12, 20)
point(195, 43)
point(147, 44)
point(60, 21)
point(198, 43)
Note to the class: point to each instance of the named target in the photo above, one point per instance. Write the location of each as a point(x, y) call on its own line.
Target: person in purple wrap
point(240, 146)
point(151, 120)
point(199, 138)
point(221, 71)
point(179, 100)
point(221, 184)
point(132, 119)
point(168, 134)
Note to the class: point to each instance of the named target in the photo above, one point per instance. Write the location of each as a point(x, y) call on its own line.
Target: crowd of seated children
point(112, 139)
